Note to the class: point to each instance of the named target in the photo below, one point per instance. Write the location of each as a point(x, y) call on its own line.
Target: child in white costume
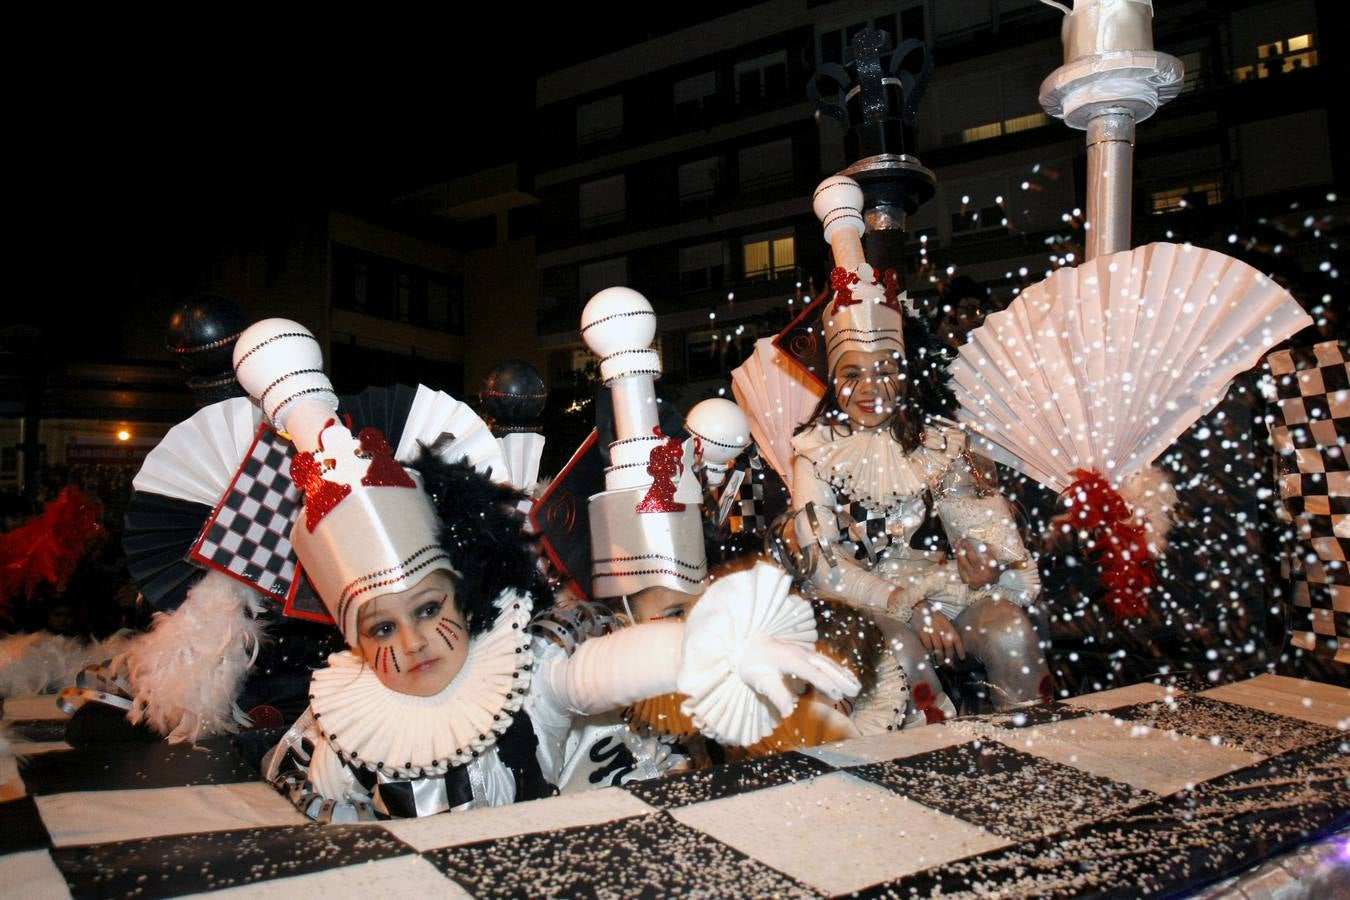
point(866, 472)
point(444, 700)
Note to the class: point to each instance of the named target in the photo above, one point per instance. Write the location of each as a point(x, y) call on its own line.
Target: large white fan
point(197, 459)
point(1103, 366)
point(776, 398)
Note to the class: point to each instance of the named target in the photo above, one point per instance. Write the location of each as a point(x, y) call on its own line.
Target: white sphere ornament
point(721, 427)
point(838, 203)
point(616, 319)
point(280, 364)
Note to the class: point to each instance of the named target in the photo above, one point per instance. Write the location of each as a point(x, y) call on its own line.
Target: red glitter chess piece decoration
point(321, 495)
point(842, 280)
point(664, 466)
point(892, 282)
point(384, 470)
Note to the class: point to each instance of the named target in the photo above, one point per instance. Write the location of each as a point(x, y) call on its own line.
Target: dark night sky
point(129, 140)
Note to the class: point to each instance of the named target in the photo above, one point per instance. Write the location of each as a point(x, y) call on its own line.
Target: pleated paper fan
point(522, 451)
point(197, 458)
point(1103, 366)
point(434, 414)
point(776, 397)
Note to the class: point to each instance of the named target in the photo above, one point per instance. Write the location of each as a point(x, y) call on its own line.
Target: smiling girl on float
point(868, 471)
point(444, 701)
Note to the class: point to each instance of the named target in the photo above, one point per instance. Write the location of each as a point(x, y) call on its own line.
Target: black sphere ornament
point(514, 396)
point(201, 334)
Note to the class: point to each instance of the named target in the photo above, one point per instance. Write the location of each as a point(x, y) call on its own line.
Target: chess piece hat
point(367, 527)
point(865, 312)
point(646, 526)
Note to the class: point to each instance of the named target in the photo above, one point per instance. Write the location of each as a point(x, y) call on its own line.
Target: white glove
point(743, 636)
point(763, 662)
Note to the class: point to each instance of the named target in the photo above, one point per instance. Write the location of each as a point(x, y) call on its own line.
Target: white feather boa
point(42, 662)
point(186, 672)
point(1152, 497)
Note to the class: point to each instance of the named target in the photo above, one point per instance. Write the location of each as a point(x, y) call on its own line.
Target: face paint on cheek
point(446, 629)
point(394, 657)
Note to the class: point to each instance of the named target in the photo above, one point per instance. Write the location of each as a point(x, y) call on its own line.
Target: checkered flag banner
point(248, 535)
point(1310, 432)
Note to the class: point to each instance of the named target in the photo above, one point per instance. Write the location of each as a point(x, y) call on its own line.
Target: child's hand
point(976, 564)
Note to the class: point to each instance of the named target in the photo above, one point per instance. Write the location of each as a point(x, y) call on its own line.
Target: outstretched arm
point(743, 639)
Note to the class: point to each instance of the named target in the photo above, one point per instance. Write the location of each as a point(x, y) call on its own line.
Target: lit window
point(769, 255)
point(599, 120)
point(1178, 199)
point(1007, 126)
point(1280, 58)
point(1025, 123)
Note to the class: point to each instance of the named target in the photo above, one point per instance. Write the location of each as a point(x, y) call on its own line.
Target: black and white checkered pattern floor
point(1131, 791)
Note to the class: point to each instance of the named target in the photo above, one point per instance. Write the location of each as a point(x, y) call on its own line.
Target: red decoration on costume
point(265, 716)
point(664, 465)
point(842, 280)
point(1118, 542)
point(321, 495)
point(892, 300)
point(47, 548)
point(925, 702)
point(384, 470)
point(1046, 688)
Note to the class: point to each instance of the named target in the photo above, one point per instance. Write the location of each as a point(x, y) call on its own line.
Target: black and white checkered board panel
point(1311, 433)
point(1130, 791)
point(248, 536)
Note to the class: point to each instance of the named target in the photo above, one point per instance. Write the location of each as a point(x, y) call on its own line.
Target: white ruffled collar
point(870, 467)
point(404, 736)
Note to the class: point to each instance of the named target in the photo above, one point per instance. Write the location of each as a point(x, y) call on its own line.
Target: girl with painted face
point(444, 699)
point(867, 472)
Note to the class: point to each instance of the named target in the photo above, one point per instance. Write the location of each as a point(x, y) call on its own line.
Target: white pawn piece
point(280, 364)
point(618, 325)
point(723, 432)
point(838, 203)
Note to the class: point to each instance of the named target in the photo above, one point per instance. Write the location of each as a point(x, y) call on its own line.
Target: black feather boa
point(484, 533)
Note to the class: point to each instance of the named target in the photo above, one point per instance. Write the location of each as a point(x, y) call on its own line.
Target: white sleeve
point(607, 672)
point(846, 578)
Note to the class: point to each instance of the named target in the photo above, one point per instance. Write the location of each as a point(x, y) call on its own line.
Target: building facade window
point(769, 255)
point(761, 78)
point(990, 106)
point(592, 278)
point(702, 266)
point(764, 165)
point(835, 45)
point(693, 91)
point(698, 179)
point(1179, 199)
point(1280, 57)
point(602, 202)
point(599, 120)
point(388, 289)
